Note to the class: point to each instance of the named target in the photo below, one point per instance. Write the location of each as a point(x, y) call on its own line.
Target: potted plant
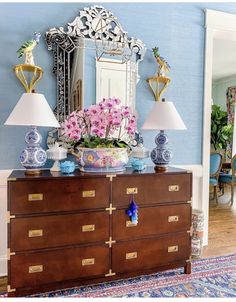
point(221, 130)
point(101, 135)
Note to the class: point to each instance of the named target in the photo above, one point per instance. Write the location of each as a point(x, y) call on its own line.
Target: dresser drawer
point(150, 189)
point(150, 253)
point(152, 221)
point(58, 230)
point(58, 265)
point(37, 196)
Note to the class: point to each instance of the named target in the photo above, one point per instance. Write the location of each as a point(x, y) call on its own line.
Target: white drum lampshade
point(163, 116)
point(32, 110)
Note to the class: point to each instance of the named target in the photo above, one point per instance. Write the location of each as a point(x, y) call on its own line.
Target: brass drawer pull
point(130, 224)
point(172, 249)
point(88, 228)
point(35, 269)
point(132, 191)
point(89, 261)
point(132, 255)
point(35, 197)
point(173, 188)
point(173, 218)
point(35, 233)
point(88, 193)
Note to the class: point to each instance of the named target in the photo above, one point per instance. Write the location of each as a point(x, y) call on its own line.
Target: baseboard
point(3, 265)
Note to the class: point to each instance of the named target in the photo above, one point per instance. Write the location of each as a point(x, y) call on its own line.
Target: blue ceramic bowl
point(137, 165)
point(67, 167)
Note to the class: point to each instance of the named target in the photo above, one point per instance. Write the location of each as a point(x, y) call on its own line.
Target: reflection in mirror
point(93, 58)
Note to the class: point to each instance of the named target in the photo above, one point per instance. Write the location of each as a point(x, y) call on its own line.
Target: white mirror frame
point(218, 25)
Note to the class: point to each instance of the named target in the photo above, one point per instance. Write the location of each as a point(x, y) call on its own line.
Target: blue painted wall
point(177, 28)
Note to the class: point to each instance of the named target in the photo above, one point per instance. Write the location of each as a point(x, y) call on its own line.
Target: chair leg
point(232, 194)
point(215, 194)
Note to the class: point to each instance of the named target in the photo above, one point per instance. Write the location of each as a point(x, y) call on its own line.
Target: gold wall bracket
point(110, 209)
point(28, 75)
point(110, 273)
point(158, 85)
point(110, 242)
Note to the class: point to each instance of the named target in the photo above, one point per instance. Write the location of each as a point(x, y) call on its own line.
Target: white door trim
point(218, 25)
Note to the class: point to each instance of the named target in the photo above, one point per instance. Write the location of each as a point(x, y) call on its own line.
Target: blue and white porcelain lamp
point(163, 116)
point(33, 110)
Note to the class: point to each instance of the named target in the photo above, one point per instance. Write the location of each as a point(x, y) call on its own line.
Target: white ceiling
point(224, 58)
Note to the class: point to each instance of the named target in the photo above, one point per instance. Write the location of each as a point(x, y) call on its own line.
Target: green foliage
point(221, 131)
point(98, 142)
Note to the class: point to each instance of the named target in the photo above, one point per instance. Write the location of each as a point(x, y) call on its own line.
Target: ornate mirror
point(93, 58)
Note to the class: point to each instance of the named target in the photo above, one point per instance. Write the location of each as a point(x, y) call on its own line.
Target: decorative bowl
point(137, 165)
point(67, 167)
point(101, 159)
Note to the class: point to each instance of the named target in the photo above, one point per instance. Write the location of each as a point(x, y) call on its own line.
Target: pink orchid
point(105, 119)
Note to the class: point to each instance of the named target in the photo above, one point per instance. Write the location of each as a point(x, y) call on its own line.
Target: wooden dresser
point(69, 230)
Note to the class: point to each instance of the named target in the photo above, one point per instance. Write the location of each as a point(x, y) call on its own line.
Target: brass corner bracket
point(110, 176)
point(9, 254)
point(110, 209)
point(9, 289)
point(110, 273)
point(110, 242)
point(9, 217)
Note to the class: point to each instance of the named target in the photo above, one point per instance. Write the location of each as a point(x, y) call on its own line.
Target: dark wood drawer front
point(150, 253)
point(150, 189)
point(152, 221)
point(53, 266)
point(58, 195)
point(58, 230)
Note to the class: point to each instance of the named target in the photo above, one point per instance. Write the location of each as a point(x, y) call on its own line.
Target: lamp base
point(161, 154)
point(160, 169)
point(32, 172)
point(33, 157)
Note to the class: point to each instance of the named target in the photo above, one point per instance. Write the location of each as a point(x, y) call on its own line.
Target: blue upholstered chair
point(215, 167)
point(229, 179)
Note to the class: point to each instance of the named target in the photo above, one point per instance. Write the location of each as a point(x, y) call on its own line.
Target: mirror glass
point(94, 58)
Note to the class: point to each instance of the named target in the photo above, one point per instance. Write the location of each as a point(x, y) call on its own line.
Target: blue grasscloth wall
point(177, 28)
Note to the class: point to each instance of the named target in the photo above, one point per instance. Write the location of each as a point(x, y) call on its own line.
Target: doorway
point(220, 33)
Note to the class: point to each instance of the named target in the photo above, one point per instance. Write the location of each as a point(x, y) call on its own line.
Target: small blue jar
point(137, 165)
point(67, 167)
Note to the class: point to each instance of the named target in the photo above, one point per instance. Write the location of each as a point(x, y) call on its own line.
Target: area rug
point(212, 277)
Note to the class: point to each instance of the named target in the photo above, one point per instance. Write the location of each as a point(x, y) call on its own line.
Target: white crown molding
point(224, 80)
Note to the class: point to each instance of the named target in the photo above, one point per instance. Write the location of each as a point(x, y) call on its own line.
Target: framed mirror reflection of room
point(94, 58)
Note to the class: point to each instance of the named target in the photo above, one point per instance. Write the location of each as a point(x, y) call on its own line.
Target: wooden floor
point(222, 231)
point(222, 227)
point(3, 284)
